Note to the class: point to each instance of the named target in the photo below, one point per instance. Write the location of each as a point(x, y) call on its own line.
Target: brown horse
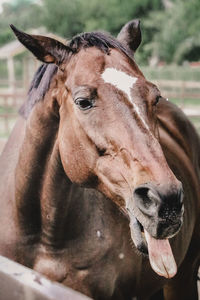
point(94, 173)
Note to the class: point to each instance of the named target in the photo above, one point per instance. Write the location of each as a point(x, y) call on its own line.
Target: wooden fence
point(185, 93)
point(10, 102)
point(20, 283)
point(179, 89)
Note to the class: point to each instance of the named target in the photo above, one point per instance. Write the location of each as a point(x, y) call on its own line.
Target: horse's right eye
point(157, 100)
point(84, 103)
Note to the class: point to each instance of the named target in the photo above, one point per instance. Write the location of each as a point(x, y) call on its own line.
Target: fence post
point(183, 89)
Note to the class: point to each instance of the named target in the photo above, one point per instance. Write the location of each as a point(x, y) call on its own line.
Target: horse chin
point(157, 249)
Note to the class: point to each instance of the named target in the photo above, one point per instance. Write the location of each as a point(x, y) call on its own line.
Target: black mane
point(42, 78)
point(38, 88)
point(100, 40)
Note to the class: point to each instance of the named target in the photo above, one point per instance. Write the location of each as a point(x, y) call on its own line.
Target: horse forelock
point(101, 40)
point(43, 76)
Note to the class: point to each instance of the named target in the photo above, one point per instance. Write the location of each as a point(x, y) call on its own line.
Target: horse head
point(108, 133)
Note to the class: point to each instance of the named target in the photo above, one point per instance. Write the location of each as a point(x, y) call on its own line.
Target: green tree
point(24, 14)
point(170, 28)
point(176, 32)
point(67, 18)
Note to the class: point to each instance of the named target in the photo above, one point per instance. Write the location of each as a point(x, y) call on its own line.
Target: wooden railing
point(9, 105)
point(21, 283)
point(179, 89)
point(10, 101)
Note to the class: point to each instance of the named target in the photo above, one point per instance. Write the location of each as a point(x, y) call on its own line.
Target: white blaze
point(123, 82)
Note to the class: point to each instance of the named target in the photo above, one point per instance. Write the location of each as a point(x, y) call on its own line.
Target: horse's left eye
point(157, 100)
point(84, 103)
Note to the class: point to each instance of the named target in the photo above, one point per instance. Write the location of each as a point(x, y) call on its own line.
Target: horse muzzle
point(156, 216)
point(159, 208)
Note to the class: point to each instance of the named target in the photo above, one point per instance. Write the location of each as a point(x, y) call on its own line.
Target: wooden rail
point(14, 99)
point(179, 89)
point(178, 84)
point(10, 101)
point(20, 283)
point(6, 120)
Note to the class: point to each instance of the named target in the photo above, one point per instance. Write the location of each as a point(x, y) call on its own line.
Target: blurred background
point(169, 54)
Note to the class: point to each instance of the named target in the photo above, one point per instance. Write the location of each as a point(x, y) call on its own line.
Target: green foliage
point(87, 15)
point(176, 32)
point(63, 17)
point(170, 28)
point(24, 14)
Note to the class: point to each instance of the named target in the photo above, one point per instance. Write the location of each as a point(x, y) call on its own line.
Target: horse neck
point(42, 187)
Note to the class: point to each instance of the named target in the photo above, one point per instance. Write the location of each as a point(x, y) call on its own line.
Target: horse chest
point(97, 253)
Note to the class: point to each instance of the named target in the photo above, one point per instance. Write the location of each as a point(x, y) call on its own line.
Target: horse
point(100, 176)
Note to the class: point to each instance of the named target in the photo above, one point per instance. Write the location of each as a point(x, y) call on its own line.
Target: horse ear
point(44, 48)
point(130, 35)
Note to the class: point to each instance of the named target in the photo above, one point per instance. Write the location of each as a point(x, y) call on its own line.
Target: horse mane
point(100, 40)
point(43, 76)
point(38, 88)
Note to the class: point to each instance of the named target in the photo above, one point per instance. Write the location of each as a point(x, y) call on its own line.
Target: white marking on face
point(121, 80)
point(125, 83)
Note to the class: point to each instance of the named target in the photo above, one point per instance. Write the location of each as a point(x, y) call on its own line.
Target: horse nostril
point(146, 199)
point(156, 200)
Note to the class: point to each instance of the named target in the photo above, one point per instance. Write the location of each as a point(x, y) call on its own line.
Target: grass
point(186, 102)
point(172, 72)
point(7, 110)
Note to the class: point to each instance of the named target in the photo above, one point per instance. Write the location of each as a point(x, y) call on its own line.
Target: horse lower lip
point(160, 254)
point(137, 234)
